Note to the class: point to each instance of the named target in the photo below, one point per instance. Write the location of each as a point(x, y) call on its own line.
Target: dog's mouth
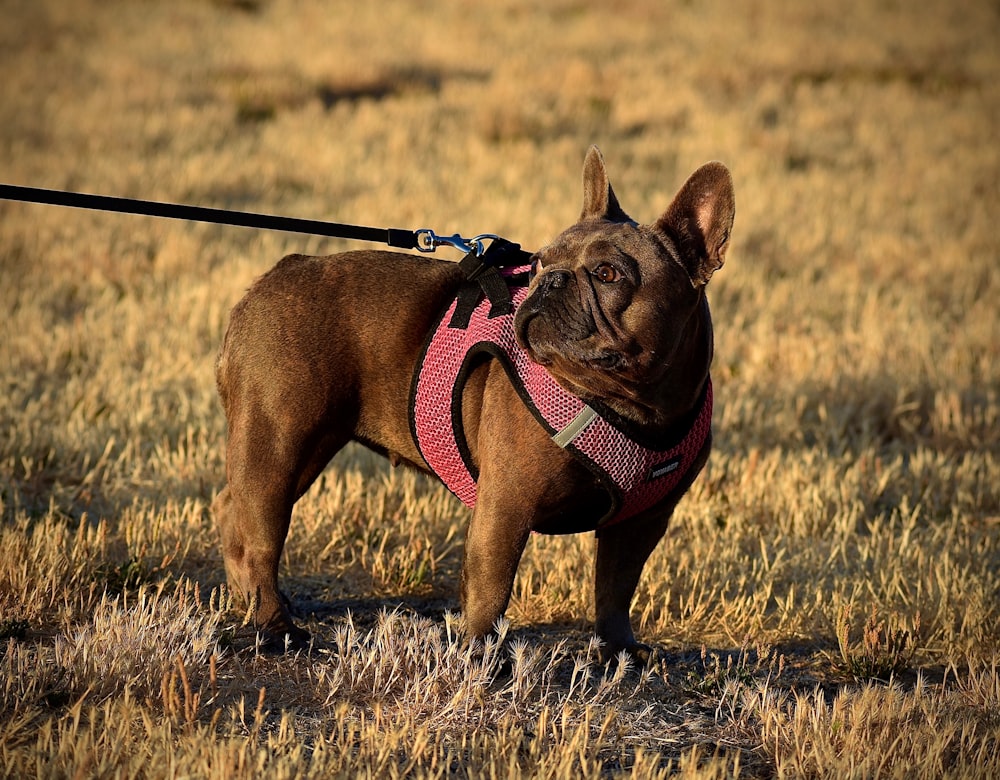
point(548, 343)
point(522, 323)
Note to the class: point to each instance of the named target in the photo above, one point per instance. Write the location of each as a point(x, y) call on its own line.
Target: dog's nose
point(555, 280)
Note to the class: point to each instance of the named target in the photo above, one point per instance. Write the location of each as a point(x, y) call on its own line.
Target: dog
point(612, 315)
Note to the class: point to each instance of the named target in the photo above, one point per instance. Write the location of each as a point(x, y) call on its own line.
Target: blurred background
point(862, 137)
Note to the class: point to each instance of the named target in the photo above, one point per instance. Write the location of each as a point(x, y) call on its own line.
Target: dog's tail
point(221, 369)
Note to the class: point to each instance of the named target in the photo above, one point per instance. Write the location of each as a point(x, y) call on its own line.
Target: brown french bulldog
point(322, 351)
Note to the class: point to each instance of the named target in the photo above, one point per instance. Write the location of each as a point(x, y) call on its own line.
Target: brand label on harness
point(662, 469)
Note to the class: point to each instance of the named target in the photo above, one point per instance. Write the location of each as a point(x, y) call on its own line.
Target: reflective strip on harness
point(579, 424)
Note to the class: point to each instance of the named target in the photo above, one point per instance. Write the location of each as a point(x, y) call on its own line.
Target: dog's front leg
point(622, 551)
point(493, 546)
point(505, 438)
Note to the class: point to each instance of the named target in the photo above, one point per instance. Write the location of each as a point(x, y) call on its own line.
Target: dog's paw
point(641, 655)
point(278, 642)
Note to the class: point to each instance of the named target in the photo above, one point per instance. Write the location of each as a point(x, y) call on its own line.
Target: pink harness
point(635, 476)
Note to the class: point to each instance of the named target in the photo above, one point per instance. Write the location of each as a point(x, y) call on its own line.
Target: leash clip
point(428, 241)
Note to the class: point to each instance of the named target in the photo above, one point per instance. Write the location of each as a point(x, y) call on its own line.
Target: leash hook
point(428, 241)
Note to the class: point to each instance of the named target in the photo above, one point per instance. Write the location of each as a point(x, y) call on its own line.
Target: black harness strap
point(483, 275)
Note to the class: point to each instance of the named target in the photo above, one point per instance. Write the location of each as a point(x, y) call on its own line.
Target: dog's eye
point(606, 273)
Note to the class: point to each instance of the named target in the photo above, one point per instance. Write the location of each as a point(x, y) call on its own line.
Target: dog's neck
point(667, 411)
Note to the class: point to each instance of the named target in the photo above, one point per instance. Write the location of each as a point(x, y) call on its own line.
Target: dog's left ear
point(700, 219)
point(599, 201)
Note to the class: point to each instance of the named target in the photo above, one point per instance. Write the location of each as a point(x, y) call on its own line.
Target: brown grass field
point(827, 601)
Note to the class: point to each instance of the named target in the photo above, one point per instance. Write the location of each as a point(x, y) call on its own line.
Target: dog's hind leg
point(251, 551)
point(253, 512)
point(269, 466)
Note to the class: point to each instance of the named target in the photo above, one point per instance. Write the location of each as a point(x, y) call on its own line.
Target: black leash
point(480, 264)
point(402, 239)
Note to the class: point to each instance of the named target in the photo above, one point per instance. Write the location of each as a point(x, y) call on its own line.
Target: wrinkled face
point(607, 309)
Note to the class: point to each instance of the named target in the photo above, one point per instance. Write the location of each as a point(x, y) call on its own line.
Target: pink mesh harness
point(635, 476)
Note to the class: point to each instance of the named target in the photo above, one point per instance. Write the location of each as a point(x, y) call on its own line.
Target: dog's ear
point(699, 221)
point(599, 201)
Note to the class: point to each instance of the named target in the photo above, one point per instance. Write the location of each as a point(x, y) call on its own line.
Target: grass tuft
point(883, 651)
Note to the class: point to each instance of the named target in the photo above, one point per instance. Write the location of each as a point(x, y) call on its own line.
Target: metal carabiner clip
point(428, 241)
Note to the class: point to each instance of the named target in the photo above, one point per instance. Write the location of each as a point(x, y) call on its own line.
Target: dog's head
point(615, 308)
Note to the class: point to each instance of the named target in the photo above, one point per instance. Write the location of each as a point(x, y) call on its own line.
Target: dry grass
point(827, 601)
